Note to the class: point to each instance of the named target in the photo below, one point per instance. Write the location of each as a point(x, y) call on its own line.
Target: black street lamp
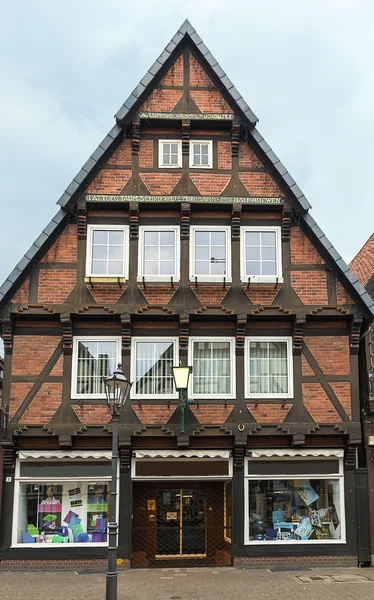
point(181, 376)
point(117, 389)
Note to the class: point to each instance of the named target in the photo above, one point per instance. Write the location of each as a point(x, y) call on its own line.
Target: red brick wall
point(18, 393)
point(269, 413)
point(55, 285)
point(198, 77)
point(122, 156)
point(342, 295)
point(106, 294)
point(146, 154)
point(210, 184)
point(31, 353)
point(158, 293)
point(224, 155)
point(98, 565)
point(161, 183)
point(318, 404)
point(44, 405)
point(210, 294)
point(247, 158)
point(156, 414)
point(210, 101)
point(93, 414)
point(306, 368)
point(260, 184)
point(302, 250)
point(261, 294)
point(310, 286)
point(174, 76)
point(268, 562)
point(212, 414)
point(342, 390)
point(162, 100)
point(22, 294)
point(109, 181)
point(65, 247)
point(331, 353)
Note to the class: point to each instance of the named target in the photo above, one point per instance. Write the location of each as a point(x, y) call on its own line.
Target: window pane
point(268, 238)
point(115, 252)
point(268, 253)
point(154, 361)
point(218, 238)
point(150, 252)
point(196, 160)
point(116, 238)
point(217, 268)
point(278, 349)
point(151, 238)
point(174, 148)
point(268, 368)
point(167, 268)
point(253, 268)
point(166, 159)
point(269, 268)
point(218, 252)
point(89, 501)
point(204, 159)
point(253, 253)
point(202, 238)
point(202, 268)
point(294, 510)
point(173, 159)
point(99, 236)
point(167, 238)
point(167, 253)
point(252, 238)
point(95, 360)
point(202, 253)
point(150, 268)
point(99, 252)
point(115, 267)
point(211, 368)
point(204, 148)
point(99, 267)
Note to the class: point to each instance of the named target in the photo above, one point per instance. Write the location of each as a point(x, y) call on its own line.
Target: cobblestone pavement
point(194, 584)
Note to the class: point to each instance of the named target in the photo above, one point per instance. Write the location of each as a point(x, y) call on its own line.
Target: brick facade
point(109, 181)
point(331, 353)
point(160, 183)
point(55, 285)
point(65, 247)
point(269, 562)
point(269, 413)
point(302, 250)
point(310, 286)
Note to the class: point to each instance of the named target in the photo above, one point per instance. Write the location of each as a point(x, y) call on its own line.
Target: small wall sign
point(171, 516)
point(151, 504)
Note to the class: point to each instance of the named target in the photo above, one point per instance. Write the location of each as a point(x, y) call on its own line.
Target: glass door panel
point(193, 518)
point(168, 522)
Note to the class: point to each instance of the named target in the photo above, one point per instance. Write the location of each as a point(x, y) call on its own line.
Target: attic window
point(107, 251)
point(170, 154)
point(201, 155)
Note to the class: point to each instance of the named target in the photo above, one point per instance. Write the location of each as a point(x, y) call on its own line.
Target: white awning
point(58, 454)
point(315, 452)
point(225, 454)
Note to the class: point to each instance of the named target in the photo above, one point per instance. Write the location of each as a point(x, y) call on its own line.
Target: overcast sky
point(304, 67)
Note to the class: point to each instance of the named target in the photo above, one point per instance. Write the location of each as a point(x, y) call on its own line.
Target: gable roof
point(363, 265)
point(124, 114)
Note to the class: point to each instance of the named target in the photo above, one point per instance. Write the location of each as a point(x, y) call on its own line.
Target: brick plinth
point(98, 565)
point(269, 562)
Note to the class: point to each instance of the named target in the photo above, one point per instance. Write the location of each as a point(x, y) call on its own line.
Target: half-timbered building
point(183, 238)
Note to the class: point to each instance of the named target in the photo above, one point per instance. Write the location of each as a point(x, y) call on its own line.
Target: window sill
point(155, 279)
point(209, 280)
point(169, 166)
point(292, 542)
point(105, 280)
point(260, 279)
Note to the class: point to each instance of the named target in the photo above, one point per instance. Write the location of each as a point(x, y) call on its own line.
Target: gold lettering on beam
point(105, 198)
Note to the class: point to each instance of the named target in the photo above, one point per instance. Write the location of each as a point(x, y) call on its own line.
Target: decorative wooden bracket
point(298, 333)
point(186, 133)
point(135, 137)
point(350, 456)
point(9, 458)
point(286, 222)
point(134, 220)
point(7, 334)
point(355, 335)
point(298, 439)
point(239, 454)
point(235, 221)
point(185, 220)
point(126, 331)
point(125, 459)
point(241, 323)
point(184, 331)
point(235, 138)
point(82, 218)
point(67, 333)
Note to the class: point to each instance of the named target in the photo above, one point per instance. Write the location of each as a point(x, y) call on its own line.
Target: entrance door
point(180, 522)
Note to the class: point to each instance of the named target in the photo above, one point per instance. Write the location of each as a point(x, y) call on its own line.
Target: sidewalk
point(195, 584)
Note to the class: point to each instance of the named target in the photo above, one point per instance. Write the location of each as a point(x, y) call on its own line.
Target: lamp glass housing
point(181, 376)
point(117, 389)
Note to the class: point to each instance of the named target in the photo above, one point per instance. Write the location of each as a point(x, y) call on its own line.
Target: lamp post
point(181, 376)
point(117, 389)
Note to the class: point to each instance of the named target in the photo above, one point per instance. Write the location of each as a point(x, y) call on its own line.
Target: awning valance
point(225, 454)
point(58, 454)
point(291, 452)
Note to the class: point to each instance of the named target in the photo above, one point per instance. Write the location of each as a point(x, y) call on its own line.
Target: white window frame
point(150, 339)
point(278, 248)
point(193, 230)
point(264, 338)
point(126, 246)
point(141, 274)
point(210, 154)
point(334, 476)
point(161, 154)
point(96, 338)
point(231, 340)
point(57, 481)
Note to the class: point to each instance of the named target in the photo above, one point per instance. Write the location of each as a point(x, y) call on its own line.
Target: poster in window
point(49, 509)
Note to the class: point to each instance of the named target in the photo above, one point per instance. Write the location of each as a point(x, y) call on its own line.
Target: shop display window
point(294, 508)
point(65, 512)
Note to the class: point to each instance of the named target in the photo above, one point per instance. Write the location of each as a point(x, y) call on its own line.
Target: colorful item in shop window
point(270, 534)
point(315, 519)
point(28, 539)
point(307, 493)
point(57, 539)
point(81, 538)
point(101, 525)
point(63, 531)
point(50, 499)
point(32, 530)
point(77, 529)
point(304, 529)
point(49, 517)
point(277, 517)
point(98, 537)
point(334, 516)
point(48, 508)
point(323, 533)
point(69, 516)
point(75, 521)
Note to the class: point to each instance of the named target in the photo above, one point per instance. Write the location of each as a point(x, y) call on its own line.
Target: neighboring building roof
point(363, 263)
point(66, 202)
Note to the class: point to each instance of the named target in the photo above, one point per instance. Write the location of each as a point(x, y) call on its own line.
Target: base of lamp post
point(111, 576)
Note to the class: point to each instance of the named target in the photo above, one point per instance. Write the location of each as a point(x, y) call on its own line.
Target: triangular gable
point(164, 69)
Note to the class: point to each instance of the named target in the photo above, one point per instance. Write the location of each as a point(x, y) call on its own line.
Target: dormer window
point(170, 154)
point(201, 154)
